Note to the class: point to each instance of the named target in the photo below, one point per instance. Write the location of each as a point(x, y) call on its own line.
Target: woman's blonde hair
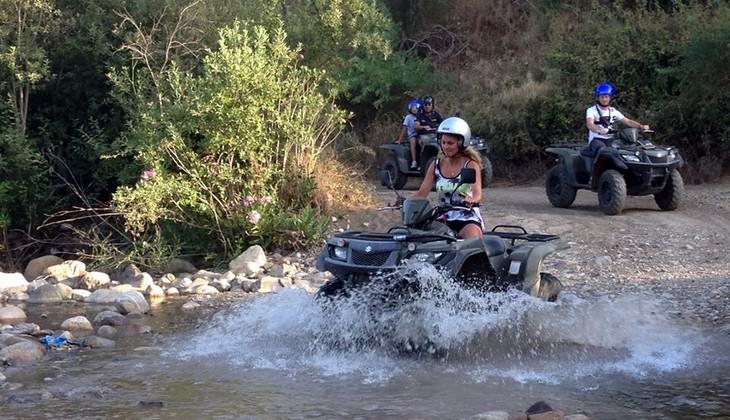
point(469, 152)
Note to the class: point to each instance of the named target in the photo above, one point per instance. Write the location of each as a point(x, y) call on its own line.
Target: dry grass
point(341, 188)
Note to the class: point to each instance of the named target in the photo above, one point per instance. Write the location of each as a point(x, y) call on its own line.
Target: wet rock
point(18, 297)
point(250, 286)
point(207, 275)
point(68, 272)
point(50, 293)
point(282, 270)
point(151, 404)
point(134, 329)
point(107, 331)
point(492, 415)
point(121, 288)
point(20, 353)
point(178, 265)
point(205, 290)
point(550, 415)
point(103, 296)
point(167, 279)
point(221, 285)
point(268, 284)
point(92, 392)
point(80, 295)
point(12, 282)
point(305, 285)
point(141, 281)
point(94, 280)
point(131, 301)
point(11, 314)
point(228, 276)
point(127, 274)
point(9, 339)
point(94, 341)
point(577, 417)
point(2, 378)
point(538, 408)
point(67, 335)
point(183, 283)
point(23, 328)
point(172, 291)
point(252, 259)
point(37, 266)
point(110, 318)
point(190, 305)
point(155, 291)
point(77, 323)
point(33, 285)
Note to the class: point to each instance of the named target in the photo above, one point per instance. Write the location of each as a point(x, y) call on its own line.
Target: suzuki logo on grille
point(368, 249)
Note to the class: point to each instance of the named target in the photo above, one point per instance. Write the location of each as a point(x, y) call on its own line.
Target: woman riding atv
point(454, 135)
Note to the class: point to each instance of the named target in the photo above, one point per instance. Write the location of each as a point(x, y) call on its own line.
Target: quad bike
point(628, 165)
point(395, 158)
point(506, 257)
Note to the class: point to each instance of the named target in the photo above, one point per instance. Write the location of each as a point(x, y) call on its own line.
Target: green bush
point(232, 151)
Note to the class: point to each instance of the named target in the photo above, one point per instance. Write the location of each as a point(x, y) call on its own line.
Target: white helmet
point(457, 127)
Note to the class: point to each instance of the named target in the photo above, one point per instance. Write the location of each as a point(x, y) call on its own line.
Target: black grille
point(657, 159)
point(372, 259)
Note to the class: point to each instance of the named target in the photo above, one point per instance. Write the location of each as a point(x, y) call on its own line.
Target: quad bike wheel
point(670, 197)
point(331, 288)
point(399, 179)
point(487, 171)
point(612, 192)
point(557, 189)
point(550, 287)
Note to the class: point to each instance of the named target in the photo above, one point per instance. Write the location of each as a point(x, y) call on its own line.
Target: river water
point(453, 354)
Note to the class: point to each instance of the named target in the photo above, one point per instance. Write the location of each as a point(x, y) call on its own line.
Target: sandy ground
point(681, 256)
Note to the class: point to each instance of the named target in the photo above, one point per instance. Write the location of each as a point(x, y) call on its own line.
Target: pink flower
point(254, 217)
point(249, 200)
point(148, 174)
point(265, 199)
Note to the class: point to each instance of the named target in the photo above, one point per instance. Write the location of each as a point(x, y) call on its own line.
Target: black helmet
point(428, 100)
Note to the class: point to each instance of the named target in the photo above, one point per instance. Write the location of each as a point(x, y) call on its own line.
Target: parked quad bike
point(507, 256)
point(396, 158)
point(628, 165)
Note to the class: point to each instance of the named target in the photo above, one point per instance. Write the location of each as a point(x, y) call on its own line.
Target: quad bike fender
point(567, 158)
point(400, 153)
point(604, 163)
point(525, 263)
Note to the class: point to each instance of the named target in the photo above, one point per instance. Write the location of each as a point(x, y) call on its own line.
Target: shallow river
point(452, 355)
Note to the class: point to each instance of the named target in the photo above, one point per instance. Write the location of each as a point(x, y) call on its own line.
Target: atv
point(628, 165)
point(506, 257)
point(395, 158)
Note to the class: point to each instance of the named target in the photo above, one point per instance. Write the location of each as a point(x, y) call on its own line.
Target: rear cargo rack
point(518, 233)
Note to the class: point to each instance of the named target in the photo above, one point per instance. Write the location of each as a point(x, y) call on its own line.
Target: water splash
point(487, 335)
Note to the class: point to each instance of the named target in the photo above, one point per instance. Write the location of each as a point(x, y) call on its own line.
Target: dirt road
point(681, 256)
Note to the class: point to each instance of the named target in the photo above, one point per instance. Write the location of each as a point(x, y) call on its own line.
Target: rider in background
point(410, 129)
point(428, 119)
point(445, 172)
point(601, 117)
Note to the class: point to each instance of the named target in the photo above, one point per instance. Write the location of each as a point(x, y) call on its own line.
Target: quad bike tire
point(331, 288)
point(487, 171)
point(670, 197)
point(550, 287)
point(399, 179)
point(557, 189)
point(611, 192)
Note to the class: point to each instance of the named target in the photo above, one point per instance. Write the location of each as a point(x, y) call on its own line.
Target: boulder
point(206, 274)
point(68, 272)
point(250, 286)
point(94, 280)
point(18, 296)
point(205, 290)
point(228, 275)
point(282, 270)
point(13, 282)
point(492, 415)
point(183, 283)
point(167, 279)
point(141, 282)
point(268, 284)
point(77, 323)
point(254, 256)
point(36, 284)
point(37, 266)
point(20, 353)
point(132, 301)
point(50, 293)
point(221, 285)
point(110, 318)
point(103, 296)
point(27, 328)
point(305, 285)
point(80, 295)
point(11, 314)
point(97, 342)
point(172, 291)
point(155, 291)
point(178, 265)
point(107, 331)
point(190, 305)
point(127, 274)
point(577, 417)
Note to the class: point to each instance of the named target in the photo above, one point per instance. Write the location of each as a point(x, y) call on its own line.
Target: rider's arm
point(633, 124)
point(591, 124)
point(476, 187)
point(428, 181)
point(402, 134)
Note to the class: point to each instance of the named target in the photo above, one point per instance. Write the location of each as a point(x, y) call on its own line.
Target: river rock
point(205, 290)
point(282, 270)
point(36, 284)
point(549, 415)
point(94, 280)
point(492, 415)
point(269, 284)
point(68, 272)
point(126, 274)
point(131, 301)
point(27, 328)
point(97, 342)
point(190, 305)
point(121, 288)
point(11, 314)
point(228, 276)
point(18, 296)
point(178, 265)
point(155, 291)
point(13, 282)
point(172, 291)
point(306, 286)
point(577, 417)
point(10, 339)
point(77, 323)
point(37, 266)
point(103, 296)
point(221, 285)
point(19, 353)
point(253, 258)
point(250, 286)
point(141, 282)
point(2, 378)
point(183, 283)
point(80, 295)
point(50, 293)
point(134, 329)
point(199, 281)
point(206, 274)
point(111, 318)
point(167, 279)
point(107, 331)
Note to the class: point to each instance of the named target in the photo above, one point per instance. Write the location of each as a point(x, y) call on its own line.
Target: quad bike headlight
point(426, 257)
point(630, 158)
point(671, 156)
point(340, 253)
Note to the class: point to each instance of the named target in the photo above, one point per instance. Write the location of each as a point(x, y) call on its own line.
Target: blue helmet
point(605, 88)
point(414, 103)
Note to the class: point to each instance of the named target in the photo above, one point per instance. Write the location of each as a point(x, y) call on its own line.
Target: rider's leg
point(413, 141)
point(470, 230)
